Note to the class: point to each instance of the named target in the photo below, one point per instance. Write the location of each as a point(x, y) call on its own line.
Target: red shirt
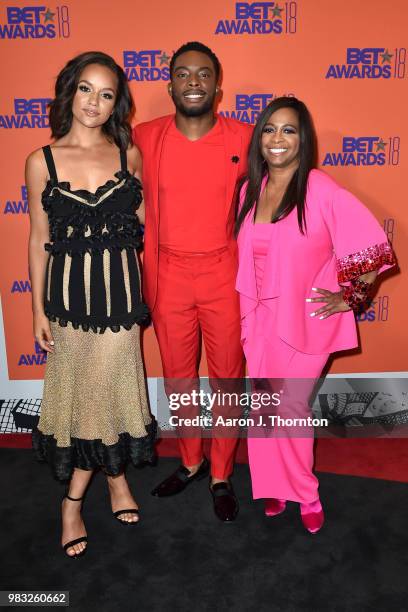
point(192, 184)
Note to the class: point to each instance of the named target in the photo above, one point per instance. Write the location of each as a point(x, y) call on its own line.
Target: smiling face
point(280, 139)
point(95, 97)
point(193, 85)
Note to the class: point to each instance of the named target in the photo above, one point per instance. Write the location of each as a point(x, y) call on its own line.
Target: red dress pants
point(197, 297)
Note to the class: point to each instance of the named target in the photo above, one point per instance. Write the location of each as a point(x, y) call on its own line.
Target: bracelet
point(362, 287)
point(357, 293)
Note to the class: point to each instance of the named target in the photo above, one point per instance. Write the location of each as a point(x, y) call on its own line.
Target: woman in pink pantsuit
point(309, 253)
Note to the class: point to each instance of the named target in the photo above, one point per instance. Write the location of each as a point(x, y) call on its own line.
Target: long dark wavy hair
point(117, 128)
point(295, 194)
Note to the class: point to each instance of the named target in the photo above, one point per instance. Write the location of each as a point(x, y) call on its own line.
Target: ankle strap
point(73, 498)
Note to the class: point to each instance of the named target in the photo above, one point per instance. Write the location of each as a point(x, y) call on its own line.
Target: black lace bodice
point(92, 274)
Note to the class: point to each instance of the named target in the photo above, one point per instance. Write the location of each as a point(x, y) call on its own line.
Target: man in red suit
point(191, 162)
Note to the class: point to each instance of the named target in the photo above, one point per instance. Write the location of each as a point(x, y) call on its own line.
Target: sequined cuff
point(367, 260)
point(358, 293)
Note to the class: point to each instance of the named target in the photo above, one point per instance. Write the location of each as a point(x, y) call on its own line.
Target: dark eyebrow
point(89, 83)
point(285, 125)
point(186, 68)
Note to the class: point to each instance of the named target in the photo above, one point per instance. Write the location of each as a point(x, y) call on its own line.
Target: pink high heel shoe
point(312, 516)
point(274, 506)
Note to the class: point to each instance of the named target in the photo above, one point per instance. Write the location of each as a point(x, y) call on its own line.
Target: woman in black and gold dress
point(85, 205)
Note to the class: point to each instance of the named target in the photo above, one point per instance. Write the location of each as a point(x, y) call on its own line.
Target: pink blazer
point(343, 240)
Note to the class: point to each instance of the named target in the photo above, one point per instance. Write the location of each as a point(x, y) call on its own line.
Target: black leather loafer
point(180, 479)
point(225, 502)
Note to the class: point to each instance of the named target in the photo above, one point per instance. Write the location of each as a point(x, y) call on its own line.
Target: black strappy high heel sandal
point(78, 540)
point(130, 511)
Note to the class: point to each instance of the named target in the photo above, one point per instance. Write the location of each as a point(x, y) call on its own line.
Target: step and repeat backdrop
point(347, 61)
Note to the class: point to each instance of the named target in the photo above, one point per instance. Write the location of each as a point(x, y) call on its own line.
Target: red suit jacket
point(149, 138)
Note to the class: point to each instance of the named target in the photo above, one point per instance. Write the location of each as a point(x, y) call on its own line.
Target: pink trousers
point(281, 462)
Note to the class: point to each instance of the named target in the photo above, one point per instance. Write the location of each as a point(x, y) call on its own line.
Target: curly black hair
point(201, 48)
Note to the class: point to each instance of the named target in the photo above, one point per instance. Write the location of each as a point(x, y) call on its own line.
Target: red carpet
point(372, 458)
point(15, 441)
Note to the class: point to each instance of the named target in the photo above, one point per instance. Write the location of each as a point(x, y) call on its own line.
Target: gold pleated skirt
point(94, 410)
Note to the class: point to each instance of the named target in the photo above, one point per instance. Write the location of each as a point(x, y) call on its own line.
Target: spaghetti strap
point(50, 163)
point(123, 160)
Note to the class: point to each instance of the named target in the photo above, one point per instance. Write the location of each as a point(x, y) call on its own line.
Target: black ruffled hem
point(141, 317)
point(93, 454)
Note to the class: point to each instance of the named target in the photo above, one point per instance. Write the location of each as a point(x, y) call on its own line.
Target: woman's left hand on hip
point(333, 303)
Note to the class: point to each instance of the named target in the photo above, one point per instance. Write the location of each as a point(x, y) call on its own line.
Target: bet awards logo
point(365, 151)
point(20, 286)
point(28, 113)
point(389, 229)
point(152, 65)
point(248, 107)
point(370, 63)
point(378, 310)
point(39, 357)
point(17, 207)
point(35, 22)
point(260, 18)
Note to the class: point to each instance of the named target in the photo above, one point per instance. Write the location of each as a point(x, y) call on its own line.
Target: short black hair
point(117, 128)
point(201, 48)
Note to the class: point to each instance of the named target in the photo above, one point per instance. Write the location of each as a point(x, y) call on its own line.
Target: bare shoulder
point(134, 159)
point(36, 164)
point(36, 158)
